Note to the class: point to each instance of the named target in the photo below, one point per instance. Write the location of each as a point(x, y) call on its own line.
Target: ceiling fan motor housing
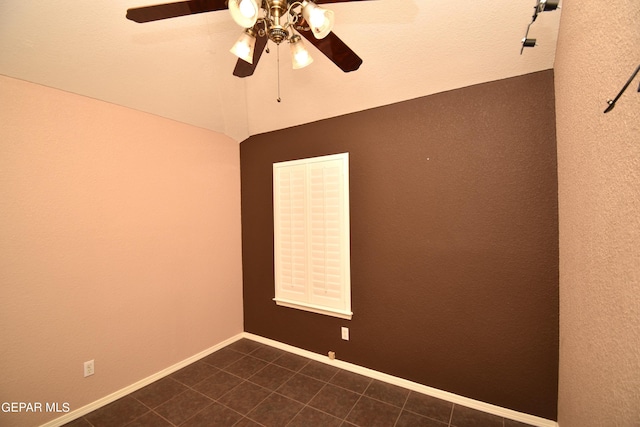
point(276, 34)
point(277, 8)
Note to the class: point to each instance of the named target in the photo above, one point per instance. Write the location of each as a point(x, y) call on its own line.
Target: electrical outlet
point(345, 333)
point(89, 368)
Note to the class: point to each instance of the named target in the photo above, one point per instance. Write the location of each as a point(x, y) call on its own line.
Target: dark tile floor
point(252, 384)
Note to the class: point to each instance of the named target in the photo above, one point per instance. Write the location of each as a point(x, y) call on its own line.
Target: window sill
point(315, 309)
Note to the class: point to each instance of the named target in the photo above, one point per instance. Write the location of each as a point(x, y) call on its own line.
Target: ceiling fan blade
point(334, 49)
point(243, 68)
point(173, 10)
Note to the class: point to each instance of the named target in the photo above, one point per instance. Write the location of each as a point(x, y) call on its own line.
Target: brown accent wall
point(454, 241)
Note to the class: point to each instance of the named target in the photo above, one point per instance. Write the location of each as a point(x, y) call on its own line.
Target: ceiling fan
point(264, 20)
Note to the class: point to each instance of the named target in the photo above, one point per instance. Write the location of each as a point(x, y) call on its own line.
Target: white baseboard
point(420, 388)
point(138, 385)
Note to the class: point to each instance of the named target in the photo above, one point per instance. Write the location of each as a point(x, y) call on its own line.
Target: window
point(311, 235)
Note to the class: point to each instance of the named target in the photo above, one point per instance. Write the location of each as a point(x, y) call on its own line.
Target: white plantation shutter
point(311, 234)
point(291, 223)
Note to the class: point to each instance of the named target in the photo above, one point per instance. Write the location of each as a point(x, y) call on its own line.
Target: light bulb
point(247, 9)
point(316, 18)
point(302, 57)
point(242, 50)
point(244, 12)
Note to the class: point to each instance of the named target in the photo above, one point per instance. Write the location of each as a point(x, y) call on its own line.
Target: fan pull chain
point(278, 99)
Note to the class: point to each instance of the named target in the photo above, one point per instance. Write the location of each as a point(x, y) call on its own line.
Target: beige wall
point(599, 214)
point(119, 242)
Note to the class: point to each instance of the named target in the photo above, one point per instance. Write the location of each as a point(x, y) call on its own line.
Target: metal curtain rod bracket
point(612, 103)
point(541, 6)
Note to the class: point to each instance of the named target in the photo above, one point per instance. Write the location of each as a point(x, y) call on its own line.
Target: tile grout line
point(305, 405)
point(242, 416)
point(197, 412)
point(361, 395)
point(245, 416)
point(271, 392)
point(453, 406)
point(191, 387)
point(326, 383)
point(406, 399)
point(152, 410)
point(165, 419)
point(242, 380)
point(352, 408)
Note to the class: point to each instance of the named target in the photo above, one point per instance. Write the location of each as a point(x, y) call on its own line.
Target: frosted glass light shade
point(320, 20)
point(244, 12)
point(300, 57)
point(244, 47)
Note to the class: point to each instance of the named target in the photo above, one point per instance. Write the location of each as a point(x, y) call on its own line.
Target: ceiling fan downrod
point(276, 9)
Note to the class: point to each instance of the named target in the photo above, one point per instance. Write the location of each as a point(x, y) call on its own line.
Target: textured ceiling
point(181, 68)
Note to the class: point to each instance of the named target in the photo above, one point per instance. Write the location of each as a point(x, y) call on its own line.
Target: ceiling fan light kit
point(267, 20)
point(319, 20)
